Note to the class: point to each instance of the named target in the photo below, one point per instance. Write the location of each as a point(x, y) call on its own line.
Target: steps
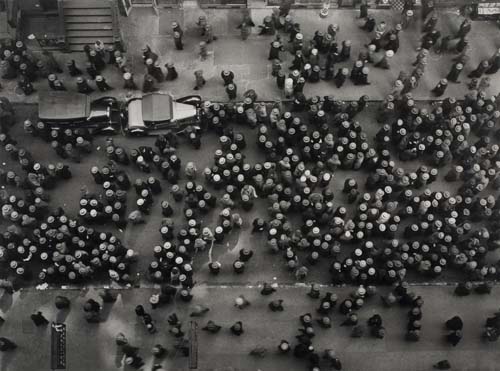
point(86, 21)
point(4, 30)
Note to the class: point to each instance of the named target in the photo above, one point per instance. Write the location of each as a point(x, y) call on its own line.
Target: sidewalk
point(248, 60)
point(92, 346)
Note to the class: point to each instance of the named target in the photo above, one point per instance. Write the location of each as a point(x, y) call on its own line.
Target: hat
point(389, 54)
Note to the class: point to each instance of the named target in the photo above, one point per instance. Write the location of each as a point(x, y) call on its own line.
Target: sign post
point(58, 346)
point(193, 346)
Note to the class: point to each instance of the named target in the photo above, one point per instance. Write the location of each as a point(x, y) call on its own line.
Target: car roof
point(63, 105)
point(157, 107)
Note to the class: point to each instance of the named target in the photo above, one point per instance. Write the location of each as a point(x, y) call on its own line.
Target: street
point(92, 346)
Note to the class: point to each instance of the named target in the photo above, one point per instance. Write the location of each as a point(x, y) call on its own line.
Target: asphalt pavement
point(92, 346)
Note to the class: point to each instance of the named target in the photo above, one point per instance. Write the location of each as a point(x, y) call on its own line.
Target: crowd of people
point(396, 228)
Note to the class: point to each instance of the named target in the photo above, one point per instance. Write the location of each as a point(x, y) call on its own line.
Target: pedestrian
point(25, 85)
point(288, 86)
point(128, 81)
point(384, 62)
point(407, 19)
point(363, 9)
point(280, 80)
point(62, 302)
point(147, 53)
point(101, 84)
point(59, 86)
point(157, 72)
point(148, 85)
point(480, 70)
point(227, 77)
point(276, 305)
point(199, 79)
point(241, 302)
point(209, 34)
point(267, 28)
point(345, 52)
point(6, 344)
point(484, 83)
point(442, 365)
point(178, 41)
point(202, 23)
point(177, 28)
point(171, 72)
point(237, 328)
point(440, 88)
point(464, 29)
point(245, 30)
point(38, 319)
point(203, 50)
point(341, 77)
point(73, 70)
point(231, 91)
point(91, 70)
point(454, 73)
point(211, 327)
point(494, 63)
point(369, 24)
point(82, 86)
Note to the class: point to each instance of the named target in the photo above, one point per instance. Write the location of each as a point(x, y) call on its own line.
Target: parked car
point(153, 112)
point(62, 109)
